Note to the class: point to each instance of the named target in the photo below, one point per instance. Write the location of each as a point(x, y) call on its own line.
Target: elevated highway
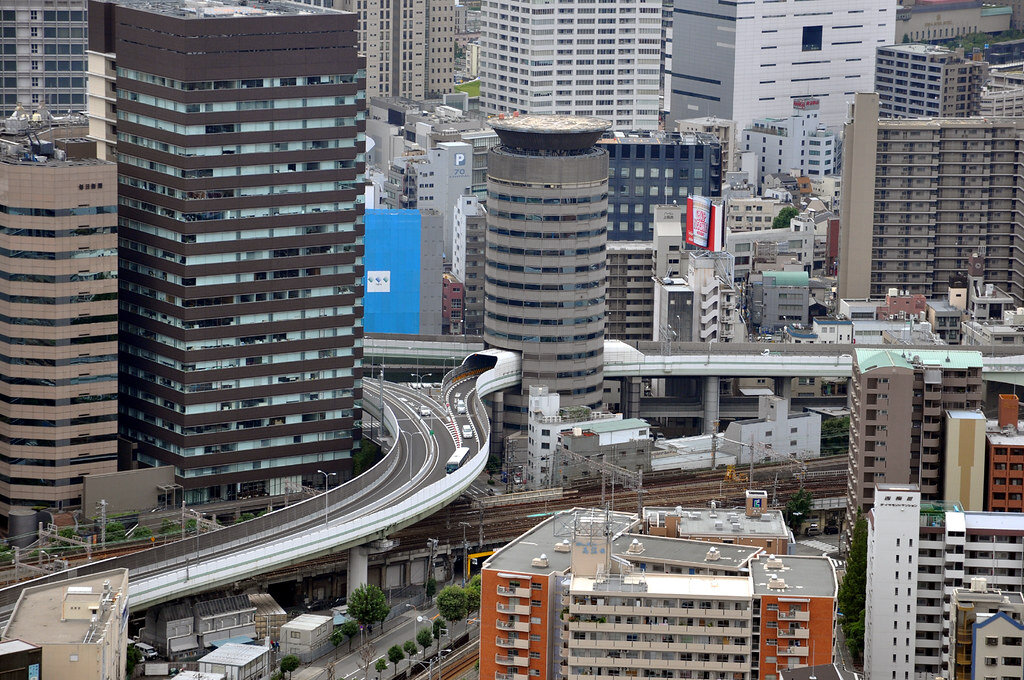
point(408, 484)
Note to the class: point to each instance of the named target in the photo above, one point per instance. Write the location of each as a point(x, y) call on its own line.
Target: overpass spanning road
point(409, 483)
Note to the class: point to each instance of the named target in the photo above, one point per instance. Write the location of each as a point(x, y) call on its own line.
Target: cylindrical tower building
point(547, 206)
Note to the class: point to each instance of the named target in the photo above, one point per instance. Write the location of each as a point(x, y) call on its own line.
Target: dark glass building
point(240, 142)
point(646, 169)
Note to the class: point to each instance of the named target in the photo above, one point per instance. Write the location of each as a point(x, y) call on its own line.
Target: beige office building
point(900, 400)
point(409, 45)
point(81, 624)
point(58, 325)
point(920, 196)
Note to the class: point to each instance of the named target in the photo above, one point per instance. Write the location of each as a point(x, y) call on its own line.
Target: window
point(812, 39)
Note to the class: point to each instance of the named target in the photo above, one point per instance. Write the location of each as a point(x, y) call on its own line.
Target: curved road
point(408, 484)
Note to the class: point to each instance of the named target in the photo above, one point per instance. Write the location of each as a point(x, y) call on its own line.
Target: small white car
point(424, 411)
point(467, 432)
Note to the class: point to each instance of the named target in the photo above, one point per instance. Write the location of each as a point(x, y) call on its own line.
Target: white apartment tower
point(590, 58)
point(747, 60)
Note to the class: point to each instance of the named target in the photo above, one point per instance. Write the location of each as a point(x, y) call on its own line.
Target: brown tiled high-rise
point(240, 139)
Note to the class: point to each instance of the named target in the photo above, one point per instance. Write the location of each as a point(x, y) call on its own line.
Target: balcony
point(797, 633)
point(513, 592)
point(521, 609)
point(795, 616)
point(512, 660)
point(512, 643)
point(793, 651)
point(518, 626)
point(510, 676)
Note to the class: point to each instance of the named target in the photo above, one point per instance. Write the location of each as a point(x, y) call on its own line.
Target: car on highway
point(460, 406)
point(467, 432)
point(425, 411)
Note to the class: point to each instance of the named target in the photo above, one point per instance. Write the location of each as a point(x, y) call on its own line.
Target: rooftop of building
point(14, 646)
point(800, 278)
point(676, 585)
point(615, 425)
point(308, 622)
point(1011, 435)
point(726, 556)
point(803, 576)
point(962, 414)
point(918, 48)
point(220, 9)
point(658, 137)
point(980, 591)
point(550, 133)
point(832, 322)
point(870, 359)
point(518, 554)
point(982, 522)
point(235, 655)
point(725, 522)
point(224, 605)
point(38, 614)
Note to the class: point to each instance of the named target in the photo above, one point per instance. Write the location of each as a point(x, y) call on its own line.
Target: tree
point(367, 653)
point(115, 532)
point(132, 657)
point(338, 636)
point(367, 605)
point(381, 664)
point(142, 532)
point(852, 591)
point(350, 629)
point(781, 220)
point(395, 654)
point(431, 587)
point(472, 591)
point(410, 648)
point(289, 664)
point(424, 637)
point(797, 509)
point(451, 603)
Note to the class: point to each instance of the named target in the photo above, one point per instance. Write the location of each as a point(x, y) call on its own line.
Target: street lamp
point(326, 489)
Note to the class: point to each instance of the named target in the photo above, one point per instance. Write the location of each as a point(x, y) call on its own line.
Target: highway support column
point(711, 392)
point(358, 562)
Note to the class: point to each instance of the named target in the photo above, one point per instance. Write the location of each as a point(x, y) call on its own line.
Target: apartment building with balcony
point(921, 556)
point(928, 81)
point(1004, 478)
point(469, 241)
point(606, 601)
point(986, 627)
point(899, 404)
point(921, 196)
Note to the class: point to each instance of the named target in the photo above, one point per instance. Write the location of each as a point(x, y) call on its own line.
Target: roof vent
point(713, 555)
point(563, 546)
point(541, 561)
point(636, 547)
point(773, 563)
point(718, 524)
point(776, 583)
point(679, 509)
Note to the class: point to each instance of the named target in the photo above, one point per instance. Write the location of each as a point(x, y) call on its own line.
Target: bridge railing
point(246, 533)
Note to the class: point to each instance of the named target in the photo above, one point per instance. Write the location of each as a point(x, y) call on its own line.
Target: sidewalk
point(349, 665)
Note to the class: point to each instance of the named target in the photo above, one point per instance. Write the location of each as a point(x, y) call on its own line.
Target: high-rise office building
point(927, 81)
point(58, 264)
point(748, 60)
point(547, 227)
point(240, 135)
point(656, 168)
point(589, 58)
point(409, 45)
point(920, 197)
point(42, 60)
point(898, 419)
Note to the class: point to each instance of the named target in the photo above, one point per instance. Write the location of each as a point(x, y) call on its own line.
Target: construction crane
point(632, 480)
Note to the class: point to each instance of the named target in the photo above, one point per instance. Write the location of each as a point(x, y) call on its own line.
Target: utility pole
point(465, 552)
point(634, 480)
point(183, 519)
point(103, 522)
point(714, 442)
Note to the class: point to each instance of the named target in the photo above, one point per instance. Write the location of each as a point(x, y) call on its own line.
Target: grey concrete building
point(920, 197)
point(547, 224)
point(776, 299)
point(42, 60)
point(655, 168)
point(630, 291)
point(626, 443)
point(927, 81)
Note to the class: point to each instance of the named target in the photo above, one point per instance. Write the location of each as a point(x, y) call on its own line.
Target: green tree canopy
point(132, 657)
point(115, 532)
point(367, 605)
point(781, 220)
point(798, 507)
point(853, 589)
point(289, 663)
point(410, 648)
point(381, 664)
point(395, 654)
point(451, 603)
point(472, 591)
point(424, 637)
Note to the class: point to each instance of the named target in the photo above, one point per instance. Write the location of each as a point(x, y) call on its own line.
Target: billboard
point(703, 223)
